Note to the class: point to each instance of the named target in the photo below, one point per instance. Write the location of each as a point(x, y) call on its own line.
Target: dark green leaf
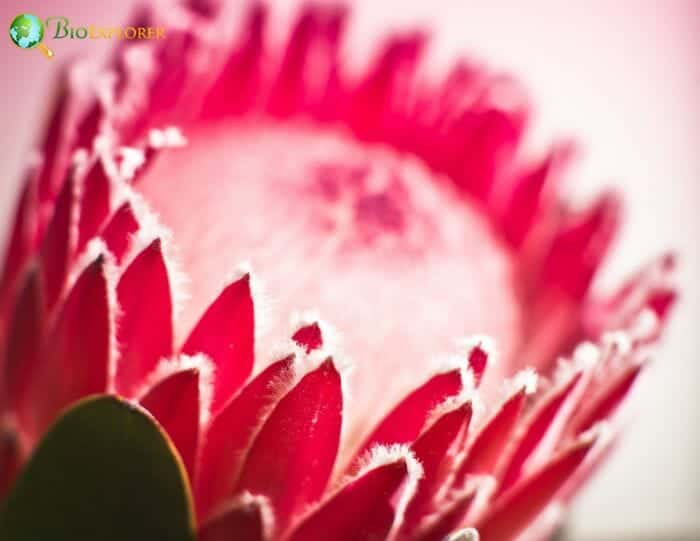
point(105, 471)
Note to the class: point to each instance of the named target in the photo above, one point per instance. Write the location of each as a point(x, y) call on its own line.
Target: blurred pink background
point(624, 78)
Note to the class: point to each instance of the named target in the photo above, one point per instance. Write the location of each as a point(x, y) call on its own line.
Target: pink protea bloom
point(399, 207)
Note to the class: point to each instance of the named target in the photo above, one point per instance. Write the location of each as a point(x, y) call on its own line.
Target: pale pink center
point(393, 257)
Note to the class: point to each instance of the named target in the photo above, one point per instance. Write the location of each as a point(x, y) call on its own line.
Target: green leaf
point(105, 471)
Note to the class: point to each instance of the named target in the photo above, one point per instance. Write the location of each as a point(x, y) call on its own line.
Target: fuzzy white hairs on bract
point(381, 455)
point(150, 229)
point(167, 367)
point(467, 534)
point(94, 249)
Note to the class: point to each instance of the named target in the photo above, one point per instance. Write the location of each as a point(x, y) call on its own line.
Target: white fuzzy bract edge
point(262, 302)
point(94, 249)
point(481, 341)
point(168, 367)
point(525, 380)
point(168, 137)
point(467, 534)
point(381, 455)
point(150, 229)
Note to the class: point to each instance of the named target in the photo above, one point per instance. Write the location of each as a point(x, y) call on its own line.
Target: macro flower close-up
point(260, 284)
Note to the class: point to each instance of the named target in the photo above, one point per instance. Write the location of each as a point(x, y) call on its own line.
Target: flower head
point(398, 206)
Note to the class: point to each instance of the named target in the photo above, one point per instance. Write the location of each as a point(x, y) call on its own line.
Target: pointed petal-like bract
point(309, 337)
point(94, 204)
point(382, 93)
point(545, 418)
point(226, 333)
point(478, 363)
point(292, 457)
point(530, 196)
point(118, 231)
point(55, 146)
point(652, 287)
point(579, 247)
point(77, 355)
point(607, 401)
point(237, 86)
point(404, 423)
point(229, 435)
point(145, 332)
point(175, 403)
point(57, 246)
point(431, 449)
point(307, 73)
point(360, 511)
point(488, 446)
point(521, 505)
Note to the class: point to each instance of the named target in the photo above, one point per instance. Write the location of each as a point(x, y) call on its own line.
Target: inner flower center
point(389, 254)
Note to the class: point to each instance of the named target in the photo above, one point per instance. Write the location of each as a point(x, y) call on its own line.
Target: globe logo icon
point(27, 31)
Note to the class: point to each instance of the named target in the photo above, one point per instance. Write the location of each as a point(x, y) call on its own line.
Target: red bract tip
point(55, 146)
point(486, 450)
point(652, 288)
point(76, 358)
point(118, 232)
point(226, 334)
point(360, 510)
point(407, 419)
point(237, 87)
point(542, 431)
point(518, 507)
point(493, 138)
point(580, 245)
point(309, 337)
point(532, 194)
point(379, 100)
point(145, 331)
point(58, 243)
point(431, 450)
point(607, 400)
point(661, 303)
point(94, 204)
point(478, 362)
point(175, 403)
point(291, 459)
point(309, 66)
point(230, 434)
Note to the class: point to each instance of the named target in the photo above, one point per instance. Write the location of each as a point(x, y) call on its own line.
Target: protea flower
point(396, 204)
